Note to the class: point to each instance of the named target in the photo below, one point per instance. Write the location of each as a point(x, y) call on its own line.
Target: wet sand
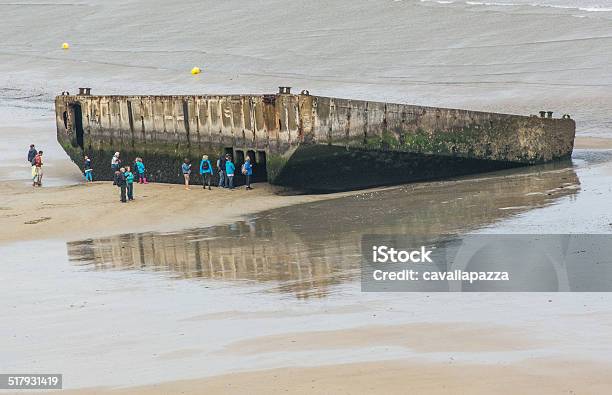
point(589, 142)
point(398, 377)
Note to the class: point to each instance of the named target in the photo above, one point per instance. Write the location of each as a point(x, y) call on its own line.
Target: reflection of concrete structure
point(307, 248)
point(256, 250)
point(303, 141)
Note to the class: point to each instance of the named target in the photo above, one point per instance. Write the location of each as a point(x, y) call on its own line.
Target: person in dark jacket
point(206, 171)
point(221, 171)
point(120, 181)
point(31, 154)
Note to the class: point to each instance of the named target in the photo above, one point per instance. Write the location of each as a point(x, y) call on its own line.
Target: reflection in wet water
point(306, 249)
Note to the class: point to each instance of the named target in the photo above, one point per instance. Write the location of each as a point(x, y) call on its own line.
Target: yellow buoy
point(196, 70)
point(65, 45)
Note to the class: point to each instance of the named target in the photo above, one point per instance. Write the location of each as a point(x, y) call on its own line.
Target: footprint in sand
point(47, 205)
point(9, 215)
point(37, 221)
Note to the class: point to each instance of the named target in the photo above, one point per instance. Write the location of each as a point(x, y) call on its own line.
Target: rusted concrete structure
point(309, 143)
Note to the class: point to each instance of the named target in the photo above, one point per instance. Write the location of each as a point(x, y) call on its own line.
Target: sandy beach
point(93, 210)
point(396, 377)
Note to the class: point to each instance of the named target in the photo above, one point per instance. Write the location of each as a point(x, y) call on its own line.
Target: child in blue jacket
point(140, 169)
point(129, 180)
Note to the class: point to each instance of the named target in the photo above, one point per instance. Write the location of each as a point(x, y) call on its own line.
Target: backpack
point(205, 166)
point(119, 180)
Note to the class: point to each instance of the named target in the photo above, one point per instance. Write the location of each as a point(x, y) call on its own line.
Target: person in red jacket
point(38, 172)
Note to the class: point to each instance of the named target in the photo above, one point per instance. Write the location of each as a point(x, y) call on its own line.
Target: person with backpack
point(87, 170)
point(229, 171)
point(247, 170)
point(186, 169)
point(121, 183)
point(221, 171)
point(38, 172)
point(205, 171)
point(129, 181)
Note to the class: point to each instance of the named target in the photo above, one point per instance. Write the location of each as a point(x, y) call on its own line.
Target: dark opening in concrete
point(260, 173)
point(229, 151)
point(65, 118)
point(251, 154)
point(77, 112)
point(239, 160)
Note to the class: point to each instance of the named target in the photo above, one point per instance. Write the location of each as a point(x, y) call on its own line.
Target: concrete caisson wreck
point(308, 143)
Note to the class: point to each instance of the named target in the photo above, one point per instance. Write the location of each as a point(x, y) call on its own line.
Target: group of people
point(35, 158)
point(124, 177)
point(226, 171)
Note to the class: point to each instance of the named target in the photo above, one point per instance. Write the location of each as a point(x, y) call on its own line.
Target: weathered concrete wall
point(166, 129)
point(187, 121)
point(440, 131)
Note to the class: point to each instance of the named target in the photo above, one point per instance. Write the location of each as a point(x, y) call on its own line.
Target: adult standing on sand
point(206, 171)
point(38, 172)
point(247, 170)
point(186, 169)
point(115, 163)
point(229, 170)
point(31, 154)
point(221, 170)
point(120, 181)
